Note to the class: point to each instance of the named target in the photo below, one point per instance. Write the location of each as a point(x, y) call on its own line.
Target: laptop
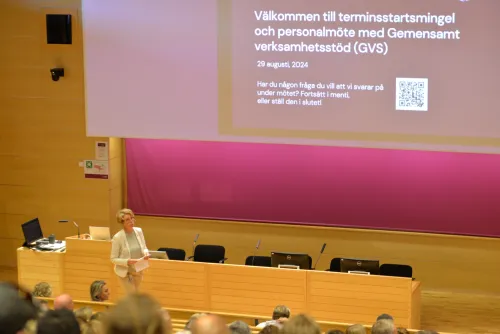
point(99, 233)
point(32, 232)
point(158, 255)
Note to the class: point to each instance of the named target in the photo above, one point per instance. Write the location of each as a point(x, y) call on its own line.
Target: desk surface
point(327, 296)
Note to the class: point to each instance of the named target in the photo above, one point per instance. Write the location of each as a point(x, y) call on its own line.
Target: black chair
point(334, 265)
point(209, 254)
point(398, 270)
point(310, 262)
point(174, 253)
point(258, 261)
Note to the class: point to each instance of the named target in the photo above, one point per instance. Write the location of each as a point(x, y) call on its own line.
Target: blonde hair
point(137, 314)
point(42, 289)
point(301, 324)
point(83, 315)
point(120, 215)
point(92, 327)
point(96, 290)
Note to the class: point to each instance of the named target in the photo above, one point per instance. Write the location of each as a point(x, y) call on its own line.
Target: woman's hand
point(147, 257)
point(131, 262)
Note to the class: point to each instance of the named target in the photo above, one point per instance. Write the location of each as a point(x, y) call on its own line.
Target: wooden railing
point(181, 316)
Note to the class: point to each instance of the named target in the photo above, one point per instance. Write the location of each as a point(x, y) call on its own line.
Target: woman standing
point(128, 247)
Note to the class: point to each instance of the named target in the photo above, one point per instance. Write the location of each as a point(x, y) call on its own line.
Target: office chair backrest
point(174, 253)
point(335, 264)
point(209, 253)
point(258, 261)
point(398, 270)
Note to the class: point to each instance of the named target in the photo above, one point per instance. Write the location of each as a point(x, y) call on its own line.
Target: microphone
point(255, 252)
point(321, 252)
point(194, 242)
point(74, 223)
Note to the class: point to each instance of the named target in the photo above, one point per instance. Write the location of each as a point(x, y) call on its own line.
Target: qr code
point(412, 94)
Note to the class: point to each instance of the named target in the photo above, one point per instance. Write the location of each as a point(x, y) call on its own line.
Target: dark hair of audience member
point(385, 316)
point(61, 321)
point(15, 311)
point(137, 314)
point(335, 331)
point(270, 329)
point(239, 327)
point(301, 324)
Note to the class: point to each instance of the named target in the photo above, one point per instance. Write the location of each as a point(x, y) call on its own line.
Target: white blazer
point(120, 251)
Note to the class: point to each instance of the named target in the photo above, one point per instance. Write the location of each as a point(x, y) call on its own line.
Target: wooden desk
point(327, 296)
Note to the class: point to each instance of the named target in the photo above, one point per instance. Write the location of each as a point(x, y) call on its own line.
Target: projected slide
point(374, 73)
point(325, 68)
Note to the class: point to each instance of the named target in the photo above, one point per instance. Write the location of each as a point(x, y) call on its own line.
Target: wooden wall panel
point(440, 262)
point(43, 130)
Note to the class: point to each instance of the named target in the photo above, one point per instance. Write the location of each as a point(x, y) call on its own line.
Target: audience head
point(61, 321)
point(83, 315)
point(64, 301)
point(385, 316)
point(126, 218)
point(42, 289)
point(192, 319)
point(99, 291)
point(281, 312)
point(427, 332)
point(301, 324)
point(384, 327)
point(334, 331)
point(239, 327)
point(270, 329)
point(356, 329)
point(137, 314)
point(15, 311)
point(209, 324)
point(402, 331)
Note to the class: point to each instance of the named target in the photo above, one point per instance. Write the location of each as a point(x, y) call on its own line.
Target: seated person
point(281, 314)
point(99, 291)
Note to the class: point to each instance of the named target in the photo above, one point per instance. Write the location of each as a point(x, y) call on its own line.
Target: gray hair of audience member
point(385, 316)
point(383, 327)
point(356, 329)
point(301, 324)
point(192, 319)
point(42, 289)
point(61, 321)
point(239, 327)
point(281, 311)
point(15, 311)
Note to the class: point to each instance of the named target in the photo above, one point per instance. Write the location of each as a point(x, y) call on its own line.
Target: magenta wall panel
point(316, 185)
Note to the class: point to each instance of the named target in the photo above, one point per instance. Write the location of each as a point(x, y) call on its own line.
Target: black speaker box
point(59, 29)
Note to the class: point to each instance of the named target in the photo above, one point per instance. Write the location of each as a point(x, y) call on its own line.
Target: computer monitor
point(32, 231)
point(158, 255)
point(99, 233)
point(360, 266)
point(290, 260)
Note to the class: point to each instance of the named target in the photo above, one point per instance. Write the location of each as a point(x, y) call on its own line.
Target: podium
point(225, 288)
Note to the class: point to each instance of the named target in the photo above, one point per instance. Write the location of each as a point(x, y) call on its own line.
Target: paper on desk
point(141, 264)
